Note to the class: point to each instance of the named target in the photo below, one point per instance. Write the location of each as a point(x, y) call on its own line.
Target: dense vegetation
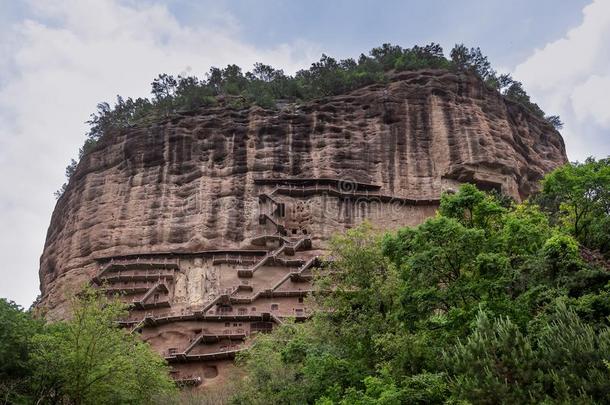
point(265, 86)
point(485, 303)
point(488, 302)
point(86, 360)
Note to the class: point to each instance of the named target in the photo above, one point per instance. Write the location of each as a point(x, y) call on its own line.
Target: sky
point(59, 58)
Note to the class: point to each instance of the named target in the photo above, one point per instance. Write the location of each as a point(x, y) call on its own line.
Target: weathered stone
point(181, 215)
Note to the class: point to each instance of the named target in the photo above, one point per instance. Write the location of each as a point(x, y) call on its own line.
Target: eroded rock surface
point(209, 222)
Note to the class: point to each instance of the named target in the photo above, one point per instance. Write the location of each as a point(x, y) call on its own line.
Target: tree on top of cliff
point(265, 86)
point(464, 58)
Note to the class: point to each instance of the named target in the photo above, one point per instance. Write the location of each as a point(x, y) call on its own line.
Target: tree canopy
point(577, 196)
point(86, 360)
point(487, 302)
point(265, 85)
point(484, 303)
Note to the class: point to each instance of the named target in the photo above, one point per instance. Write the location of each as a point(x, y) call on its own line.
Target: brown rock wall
point(189, 186)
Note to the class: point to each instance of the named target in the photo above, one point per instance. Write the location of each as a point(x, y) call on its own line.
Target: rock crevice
point(224, 190)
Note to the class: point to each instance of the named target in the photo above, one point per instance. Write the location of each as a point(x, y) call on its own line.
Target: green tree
point(485, 303)
point(164, 90)
point(563, 361)
point(577, 196)
point(164, 87)
point(517, 93)
point(474, 60)
point(555, 121)
point(338, 348)
point(387, 55)
point(472, 207)
point(191, 94)
point(90, 360)
point(16, 330)
point(496, 364)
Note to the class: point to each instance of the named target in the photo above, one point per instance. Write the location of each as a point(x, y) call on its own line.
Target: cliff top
point(271, 88)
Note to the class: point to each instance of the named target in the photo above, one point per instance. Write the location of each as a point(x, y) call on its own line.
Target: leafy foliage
point(563, 362)
point(484, 303)
point(87, 360)
point(16, 330)
point(577, 196)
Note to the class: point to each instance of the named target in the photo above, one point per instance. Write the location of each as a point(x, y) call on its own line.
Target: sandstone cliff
point(244, 183)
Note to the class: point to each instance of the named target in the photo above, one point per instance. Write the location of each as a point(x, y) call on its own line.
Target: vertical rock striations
point(209, 222)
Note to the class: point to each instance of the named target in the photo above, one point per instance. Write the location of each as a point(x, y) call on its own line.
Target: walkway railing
point(141, 303)
point(288, 246)
point(188, 380)
point(348, 192)
point(137, 263)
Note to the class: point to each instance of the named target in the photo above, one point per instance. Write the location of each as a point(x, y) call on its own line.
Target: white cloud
point(590, 100)
point(59, 63)
point(571, 77)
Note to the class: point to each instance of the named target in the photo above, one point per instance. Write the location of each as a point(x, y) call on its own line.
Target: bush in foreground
point(86, 360)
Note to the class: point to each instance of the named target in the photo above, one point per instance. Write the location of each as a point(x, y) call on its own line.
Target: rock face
point(209, 222)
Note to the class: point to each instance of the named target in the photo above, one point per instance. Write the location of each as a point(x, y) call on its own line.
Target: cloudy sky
point(59, 58)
